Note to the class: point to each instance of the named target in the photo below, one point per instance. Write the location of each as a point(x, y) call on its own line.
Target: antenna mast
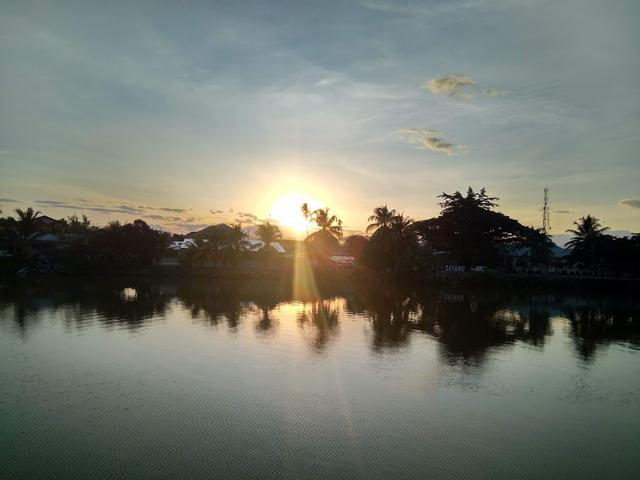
point(546, 217)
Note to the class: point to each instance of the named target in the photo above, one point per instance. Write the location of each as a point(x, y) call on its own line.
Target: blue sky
point(187, 113)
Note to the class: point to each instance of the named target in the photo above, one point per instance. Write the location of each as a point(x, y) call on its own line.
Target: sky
point(189, 113)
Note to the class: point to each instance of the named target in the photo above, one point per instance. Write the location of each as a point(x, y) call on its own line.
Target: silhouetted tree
point(27, 222)
point(78, 226)
point(324, 242)
point(129, 244)
point(268, 233)
point(381, 218)
point(586, 240)
point(540, 246)
point(26, 227)
point(456, 201)
point(355, 244)
point(327, 223)
point(306, 213)
point(470, 230)
point(394, 247)
point(8, 234)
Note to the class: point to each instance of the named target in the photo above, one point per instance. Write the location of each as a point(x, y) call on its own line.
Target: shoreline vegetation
point(469, 242)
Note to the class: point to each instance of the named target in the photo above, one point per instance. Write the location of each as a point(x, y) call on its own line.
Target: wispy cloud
point(413, 8)
point(563, 211)
point(130, 209)
point(168, 209)
point(431, 140)
point(454, 85)
point(494, 92)
point(83, 204)
point(460, 86)
point(165, 218)
point(126, 209)
point(51, 202)
point(631, 202)
point(8, 200)
point(190, 227)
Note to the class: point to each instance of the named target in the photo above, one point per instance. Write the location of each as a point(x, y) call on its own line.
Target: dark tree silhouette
point(456, 201)
point(586, 240)
point(268, 233)
point(470, 231)
point(355, 244)
point(382, 218)
point(325, 241)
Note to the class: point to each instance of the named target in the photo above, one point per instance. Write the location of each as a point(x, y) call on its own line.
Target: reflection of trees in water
point(266, 304)
point(391, 312)
point(596, 322)
point(212, 303)
point(465, 325)
point(471, 322)
point(468, 323)
point(323, 316)
point(81, 304)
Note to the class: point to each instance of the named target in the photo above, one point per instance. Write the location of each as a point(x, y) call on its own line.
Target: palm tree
point(268, 233)
point(328, 223)
point(585, 239)
point(394, 246)
point(27, 221)
point(587, 228)
point(236, 236)
point(402, 226)
point(381, 218)
point(306, 213)
point(404, 240)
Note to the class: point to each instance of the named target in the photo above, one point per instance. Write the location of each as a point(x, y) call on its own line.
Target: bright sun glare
point(287, 210)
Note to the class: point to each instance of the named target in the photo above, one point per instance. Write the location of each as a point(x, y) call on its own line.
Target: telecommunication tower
point(546, 216)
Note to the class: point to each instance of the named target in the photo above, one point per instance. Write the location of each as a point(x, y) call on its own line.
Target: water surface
point(139, 379)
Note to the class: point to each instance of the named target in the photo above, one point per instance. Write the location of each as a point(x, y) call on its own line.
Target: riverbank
point(289, 274)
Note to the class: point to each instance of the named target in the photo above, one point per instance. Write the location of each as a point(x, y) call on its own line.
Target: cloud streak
point(431, 140)
point(631, 202)
point(168, 209)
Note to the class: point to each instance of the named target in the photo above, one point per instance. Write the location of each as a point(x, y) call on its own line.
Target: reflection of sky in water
point(179, 381)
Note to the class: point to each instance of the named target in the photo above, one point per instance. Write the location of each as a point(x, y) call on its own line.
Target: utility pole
point(546, 215)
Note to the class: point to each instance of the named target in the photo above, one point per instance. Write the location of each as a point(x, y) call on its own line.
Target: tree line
point(469, 231)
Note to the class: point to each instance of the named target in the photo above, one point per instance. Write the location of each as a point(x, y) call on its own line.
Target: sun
point(287, 211)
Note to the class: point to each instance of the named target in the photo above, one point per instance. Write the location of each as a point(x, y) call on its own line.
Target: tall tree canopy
point(470, 231)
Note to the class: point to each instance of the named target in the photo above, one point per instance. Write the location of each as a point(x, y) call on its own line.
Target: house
point(47, 223)
point(519, 260)
point(47, 242)
point(179, 245)
point(253, 245)
point(218, 229)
